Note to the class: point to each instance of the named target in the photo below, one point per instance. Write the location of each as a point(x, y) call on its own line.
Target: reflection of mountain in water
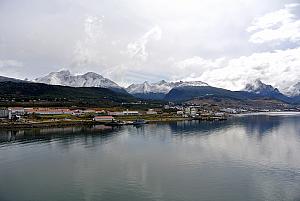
point(197, 127)
point(260, 125)
point(254, 125)
point(47, 134)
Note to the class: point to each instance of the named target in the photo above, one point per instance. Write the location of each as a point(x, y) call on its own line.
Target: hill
point(189, 93)
point(90, 95)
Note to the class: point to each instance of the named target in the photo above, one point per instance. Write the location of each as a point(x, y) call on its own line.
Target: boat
point(139, 122)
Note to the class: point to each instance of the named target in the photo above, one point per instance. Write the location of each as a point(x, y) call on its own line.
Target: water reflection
point(245, 158)
point(198, 128)
point(258, 125)
point(49, 134)
point(261, 125)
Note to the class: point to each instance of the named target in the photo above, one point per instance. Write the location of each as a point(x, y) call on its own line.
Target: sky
point(224, 43)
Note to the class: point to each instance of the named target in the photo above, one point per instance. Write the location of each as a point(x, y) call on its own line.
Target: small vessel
point(139, 122)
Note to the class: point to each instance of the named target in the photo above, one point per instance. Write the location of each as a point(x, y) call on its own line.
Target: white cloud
point(148, 39)
point(9, 67)
point(113, 58)
point(87, 51)
point(278, 26)
point(93, 27)
point(280, 68)
point(10, 63)
point(190, 68)
point(137, 50)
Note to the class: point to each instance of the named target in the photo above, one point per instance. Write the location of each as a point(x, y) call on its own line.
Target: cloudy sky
point(224, 43)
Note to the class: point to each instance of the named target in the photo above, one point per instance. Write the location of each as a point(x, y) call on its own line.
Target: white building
point(191, 111)
point(4, 113)
point(15, 112)
point(151, 111)
point(127, 112)
point(115, 113)
point(219, 114)
point(180, 112)
point(229, 110)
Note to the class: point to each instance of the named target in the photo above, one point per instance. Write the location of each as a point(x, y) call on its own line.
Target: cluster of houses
point(14, 113)
point(17, 112)
point(196, 110)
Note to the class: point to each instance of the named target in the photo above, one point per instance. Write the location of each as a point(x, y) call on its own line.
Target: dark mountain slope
point(8, 79)
point(188, 93)
point(52, 92)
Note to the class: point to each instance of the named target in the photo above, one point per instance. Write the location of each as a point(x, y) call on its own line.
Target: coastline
point(64, 123)
point(57, 124)
point(289, 113)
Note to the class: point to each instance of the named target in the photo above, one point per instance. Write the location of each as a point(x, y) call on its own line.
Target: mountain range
point(183, 91)
point(160, 89)
point(90, 79)
point(259, 88)
point(168, 91)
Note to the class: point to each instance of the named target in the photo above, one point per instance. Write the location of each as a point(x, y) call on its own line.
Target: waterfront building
point(3, 113)
point(180, 112)
point(104, 118)
point(127, 112)
point(229, 110)
point(115, 113)
point(17, 110)
point(151, 112)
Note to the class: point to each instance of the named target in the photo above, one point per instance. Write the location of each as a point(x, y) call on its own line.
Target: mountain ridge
point(163, 90)
point(89, 79)
point(65, 78)
point(159, 89)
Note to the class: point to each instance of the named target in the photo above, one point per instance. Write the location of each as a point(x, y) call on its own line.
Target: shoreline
point(290, 113)
point(55, 124)
point(58, 124)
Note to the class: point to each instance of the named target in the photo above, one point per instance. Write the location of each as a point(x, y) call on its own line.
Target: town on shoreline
point(34, 117)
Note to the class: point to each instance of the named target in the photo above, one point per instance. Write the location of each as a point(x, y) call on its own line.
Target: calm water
point(245, 158)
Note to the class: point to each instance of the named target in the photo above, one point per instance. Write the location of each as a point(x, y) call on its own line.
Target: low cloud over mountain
point(155, 40)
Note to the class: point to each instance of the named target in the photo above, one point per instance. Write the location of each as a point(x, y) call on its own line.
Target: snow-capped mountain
point(258, 87)
point(146, 87)
point(161, 87)
point(264, 90)
point(293, 90)
point(65, 78)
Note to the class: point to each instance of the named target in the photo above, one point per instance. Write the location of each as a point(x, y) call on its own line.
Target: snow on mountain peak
point(92, 75)
point(191, 84)
point(162, 82)
point(293, 90)
point(65, 78)
point(259, 87)
point(161, 86)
